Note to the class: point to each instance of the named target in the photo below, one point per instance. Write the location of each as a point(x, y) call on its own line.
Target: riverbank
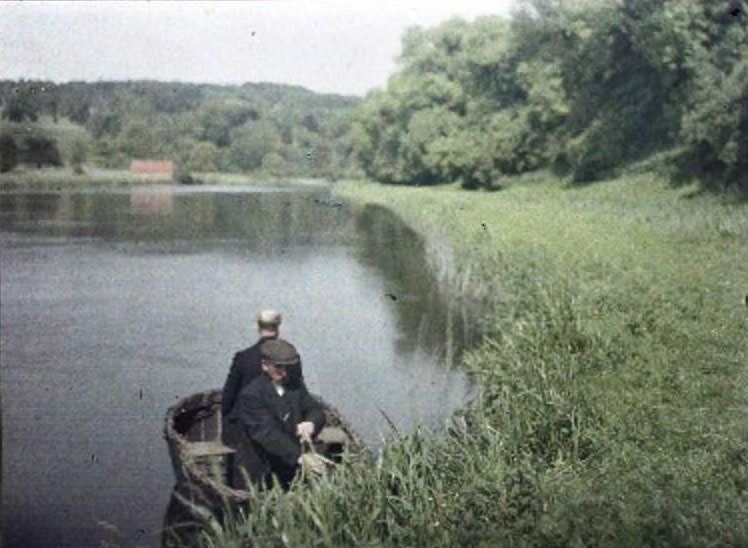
point(59, 178)
point(612, 407)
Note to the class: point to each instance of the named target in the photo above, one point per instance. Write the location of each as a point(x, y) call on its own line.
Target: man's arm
point(231, 387)
point(311, 411)
point(263, 427)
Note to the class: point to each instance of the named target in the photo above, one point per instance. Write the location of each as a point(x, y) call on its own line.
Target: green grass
point(55, 178)
point(613, 380)
point(255, 179)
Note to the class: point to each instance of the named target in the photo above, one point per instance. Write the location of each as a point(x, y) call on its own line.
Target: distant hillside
point(273, 128)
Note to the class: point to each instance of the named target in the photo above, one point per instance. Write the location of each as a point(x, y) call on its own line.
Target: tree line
point(583, 87)
point(278, 129)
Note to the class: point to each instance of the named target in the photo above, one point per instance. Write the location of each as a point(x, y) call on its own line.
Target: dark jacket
point(269, 421)
point(244, 368)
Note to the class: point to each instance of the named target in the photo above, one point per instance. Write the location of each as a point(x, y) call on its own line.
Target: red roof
point(152, 166)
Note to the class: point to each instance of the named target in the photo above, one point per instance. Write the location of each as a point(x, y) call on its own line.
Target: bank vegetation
point(612, 403)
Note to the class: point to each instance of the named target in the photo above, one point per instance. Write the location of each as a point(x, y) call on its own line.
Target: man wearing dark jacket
point(275, 415)
point(245, 367)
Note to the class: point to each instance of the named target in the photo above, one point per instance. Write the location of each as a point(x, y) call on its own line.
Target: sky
point(328, 46)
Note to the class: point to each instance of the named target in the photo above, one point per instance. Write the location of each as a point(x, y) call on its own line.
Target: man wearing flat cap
point(275, 416)
point(244, 368)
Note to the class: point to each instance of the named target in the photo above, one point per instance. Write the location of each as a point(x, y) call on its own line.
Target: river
point(115, 303)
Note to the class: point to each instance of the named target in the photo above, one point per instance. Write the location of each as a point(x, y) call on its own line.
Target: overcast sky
point(331, 46)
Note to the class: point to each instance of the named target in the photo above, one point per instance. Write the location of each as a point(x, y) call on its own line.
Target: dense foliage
point(277, 129)
point(584, 86)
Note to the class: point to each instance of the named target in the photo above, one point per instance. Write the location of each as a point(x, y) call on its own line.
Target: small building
point(152, 170)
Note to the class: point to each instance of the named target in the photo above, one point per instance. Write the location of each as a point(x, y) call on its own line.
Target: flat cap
point(279, 352)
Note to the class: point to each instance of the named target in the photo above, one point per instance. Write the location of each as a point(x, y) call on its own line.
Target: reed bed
point(612, 405)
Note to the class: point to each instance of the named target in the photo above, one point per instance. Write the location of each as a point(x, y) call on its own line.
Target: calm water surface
point(116, 303)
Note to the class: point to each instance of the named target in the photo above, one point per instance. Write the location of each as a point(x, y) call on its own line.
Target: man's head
point(268, 323)
point(275, 357)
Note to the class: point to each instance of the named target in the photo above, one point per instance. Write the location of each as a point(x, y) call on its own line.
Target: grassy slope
point(618, 361)
point(613, 406)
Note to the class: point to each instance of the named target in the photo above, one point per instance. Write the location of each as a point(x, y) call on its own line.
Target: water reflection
point(116, 303)
point(151, 201)
point(428, 316)
point(181, 527)
point(259, 219)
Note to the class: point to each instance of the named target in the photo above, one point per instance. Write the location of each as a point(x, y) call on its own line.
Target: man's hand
point(305, 430)
point(312, 464)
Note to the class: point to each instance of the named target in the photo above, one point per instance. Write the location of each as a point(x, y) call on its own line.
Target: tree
point(138, 139)
point(250, 142)
point(41, 151)
point(220, 117)
point(78, 156)
point(8, 153)
point(424, 129)
point(203, 156)
point(716, 130)
point(274, 164)
point(77, 111)
point(715, 118)
point(104, 123)
point(21, 105)
point(310, 122)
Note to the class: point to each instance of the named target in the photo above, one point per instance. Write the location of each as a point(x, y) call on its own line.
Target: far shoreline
point(64, 178)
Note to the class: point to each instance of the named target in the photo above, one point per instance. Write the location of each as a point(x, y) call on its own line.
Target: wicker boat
point(193, 434)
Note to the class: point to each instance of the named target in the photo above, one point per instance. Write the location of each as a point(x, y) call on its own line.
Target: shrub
point(41, 151)
point(8, 153)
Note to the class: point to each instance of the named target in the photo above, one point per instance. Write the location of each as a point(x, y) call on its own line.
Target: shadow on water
point(181, 528)
point(428, 315)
